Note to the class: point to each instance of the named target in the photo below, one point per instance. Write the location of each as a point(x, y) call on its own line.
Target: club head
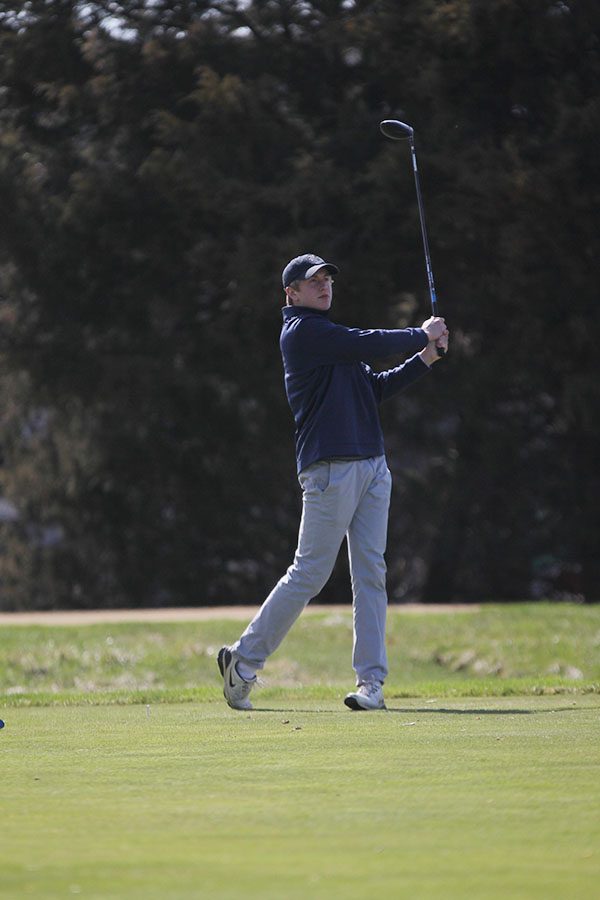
point(397, 131)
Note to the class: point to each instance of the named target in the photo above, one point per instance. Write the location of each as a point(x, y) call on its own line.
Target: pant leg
point(331, 492)
point(367, 536)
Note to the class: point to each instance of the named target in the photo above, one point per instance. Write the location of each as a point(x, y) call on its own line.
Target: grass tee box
point(460, 798)
point(481, 781)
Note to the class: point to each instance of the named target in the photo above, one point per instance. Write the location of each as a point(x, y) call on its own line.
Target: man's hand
point(434, 328)
point(430, 355)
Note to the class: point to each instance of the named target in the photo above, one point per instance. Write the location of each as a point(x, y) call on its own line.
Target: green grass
point(528, 648)
point(462, 798)
point(124, 774)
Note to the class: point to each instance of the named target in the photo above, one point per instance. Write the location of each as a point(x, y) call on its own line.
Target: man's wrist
point(429, 355)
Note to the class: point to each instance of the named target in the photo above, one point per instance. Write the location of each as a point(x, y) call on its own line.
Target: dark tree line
point(159, 163)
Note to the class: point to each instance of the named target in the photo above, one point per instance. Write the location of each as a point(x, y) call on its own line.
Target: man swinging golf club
point(334, 395)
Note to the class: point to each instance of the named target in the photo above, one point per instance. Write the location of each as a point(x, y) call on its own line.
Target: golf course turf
point(121, 793)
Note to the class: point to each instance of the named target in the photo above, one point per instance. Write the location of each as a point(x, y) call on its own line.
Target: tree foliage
point(160, 162)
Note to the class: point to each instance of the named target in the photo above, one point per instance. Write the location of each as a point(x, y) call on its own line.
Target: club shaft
point(432, 294)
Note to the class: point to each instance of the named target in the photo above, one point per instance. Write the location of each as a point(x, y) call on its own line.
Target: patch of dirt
point(195, 614)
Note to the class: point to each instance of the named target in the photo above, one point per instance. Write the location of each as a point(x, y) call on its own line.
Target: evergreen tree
point(160, 162)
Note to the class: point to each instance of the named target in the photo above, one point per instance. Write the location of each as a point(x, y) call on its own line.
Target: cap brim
point(333, 270)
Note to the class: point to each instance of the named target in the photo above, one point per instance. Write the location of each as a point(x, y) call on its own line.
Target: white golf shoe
point(368, 695)
point(235, 689)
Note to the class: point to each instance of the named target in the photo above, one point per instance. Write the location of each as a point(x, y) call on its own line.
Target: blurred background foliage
point(159, 164)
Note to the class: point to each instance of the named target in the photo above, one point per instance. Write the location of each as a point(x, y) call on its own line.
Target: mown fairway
point(445, 795)
point(496, 798)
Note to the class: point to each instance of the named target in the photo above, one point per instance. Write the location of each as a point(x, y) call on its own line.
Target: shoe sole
point(352, 703)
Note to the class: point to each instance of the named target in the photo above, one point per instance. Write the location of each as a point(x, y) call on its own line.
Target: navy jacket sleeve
point(392, 381)
point(325, 343)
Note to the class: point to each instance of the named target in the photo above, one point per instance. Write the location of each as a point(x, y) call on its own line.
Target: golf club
point(399, 131)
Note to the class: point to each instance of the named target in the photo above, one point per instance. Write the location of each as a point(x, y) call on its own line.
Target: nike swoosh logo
point(231, 684)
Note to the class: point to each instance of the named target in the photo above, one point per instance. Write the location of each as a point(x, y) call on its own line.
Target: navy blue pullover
point(332, 392)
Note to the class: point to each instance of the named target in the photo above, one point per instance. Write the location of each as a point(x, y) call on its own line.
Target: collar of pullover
point(290, 312)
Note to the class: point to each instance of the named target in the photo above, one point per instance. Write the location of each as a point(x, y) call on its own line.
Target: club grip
point(434, 308)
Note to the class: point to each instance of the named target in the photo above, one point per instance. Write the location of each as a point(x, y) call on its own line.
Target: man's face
point(315, 292)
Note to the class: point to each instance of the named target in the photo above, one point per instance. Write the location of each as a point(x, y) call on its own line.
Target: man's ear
point(288, 296)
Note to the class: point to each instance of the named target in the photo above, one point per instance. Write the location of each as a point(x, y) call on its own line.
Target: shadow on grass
point(488, 712)
point(411, 710)
point(408, 711)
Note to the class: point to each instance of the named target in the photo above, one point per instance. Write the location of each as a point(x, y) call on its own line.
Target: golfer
point(334, 395)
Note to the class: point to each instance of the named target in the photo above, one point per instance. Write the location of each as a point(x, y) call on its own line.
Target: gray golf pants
point(341, 498)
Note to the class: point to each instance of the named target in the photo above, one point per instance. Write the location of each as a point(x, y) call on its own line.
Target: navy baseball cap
point(302, 267)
